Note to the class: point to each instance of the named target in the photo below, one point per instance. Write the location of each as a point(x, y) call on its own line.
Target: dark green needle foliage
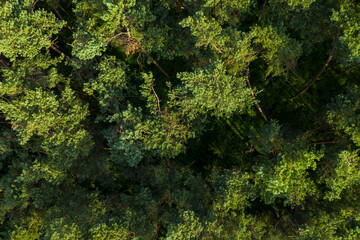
point(179, 119)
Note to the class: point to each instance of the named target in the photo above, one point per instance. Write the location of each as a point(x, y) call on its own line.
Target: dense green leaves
point(41, 114)
point(348, 18)
point(212, 89)
point(26, 32)
point(175, 119)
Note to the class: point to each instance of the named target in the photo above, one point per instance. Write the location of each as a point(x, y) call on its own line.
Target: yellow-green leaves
point(284, 166)
point(207, 31)
point(289, 179)
point(343, 114)
point(279, 50)
point(345, 175)
point(24, 32)
point(298, 4)
point(42, 114)
point(212, 89)
point(348, 19)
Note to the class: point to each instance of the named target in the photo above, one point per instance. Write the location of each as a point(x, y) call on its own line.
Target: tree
point(179, 119)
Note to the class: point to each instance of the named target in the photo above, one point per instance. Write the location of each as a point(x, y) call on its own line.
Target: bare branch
point(157, 98)
point(5, 66)
point(326, 142)
point(262, 10)
point(320, 72)
point(115, 36)
point(153, 60)
point(252, 93)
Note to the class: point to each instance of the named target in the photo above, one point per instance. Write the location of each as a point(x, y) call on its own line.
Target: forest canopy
point(179, 119)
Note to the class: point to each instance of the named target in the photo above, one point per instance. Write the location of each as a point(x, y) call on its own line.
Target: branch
point(251, 149)
point(57, 50)
point(219, 50)
point(57, 12)
point(262, 10)
point(153, 60)
point(51, 45)
point(186, 166)
point(157, 98)
point(146, 53)
point(64, 10)
point(320, 72)
point(252, 93)
point(113, 37)
point(5, 66)
point(266, 80)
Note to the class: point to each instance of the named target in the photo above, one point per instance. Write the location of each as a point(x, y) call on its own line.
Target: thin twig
point(51, 45)
point(252, 93)
point(57, 50)
point(5, 99)
point(351, 68)
point(336, 131)
point(326, 142)
point(296, 74)
point(266, 80)
point(314, 129)
point(32, 10)
point(186, 166)
point(247, 152)
point(320, 72)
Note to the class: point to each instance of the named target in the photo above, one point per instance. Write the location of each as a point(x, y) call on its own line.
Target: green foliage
point(110, 82)
point(26, 32)
point(233, 191)
point(189, 228)
point(230, 11)
point(289, 179)
point(284, 174)
point(207, 31)
point(212, 90)
point(155, 119)
point(343, 114)
point(139, 135)
point(108, 232)
point(29, 74)
point(98, 23)
point(327, 225)
point(345, 175)
point(299, 3)
point(59, 230)
point(348, 18)
point(42, 114)
point(281, 51)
